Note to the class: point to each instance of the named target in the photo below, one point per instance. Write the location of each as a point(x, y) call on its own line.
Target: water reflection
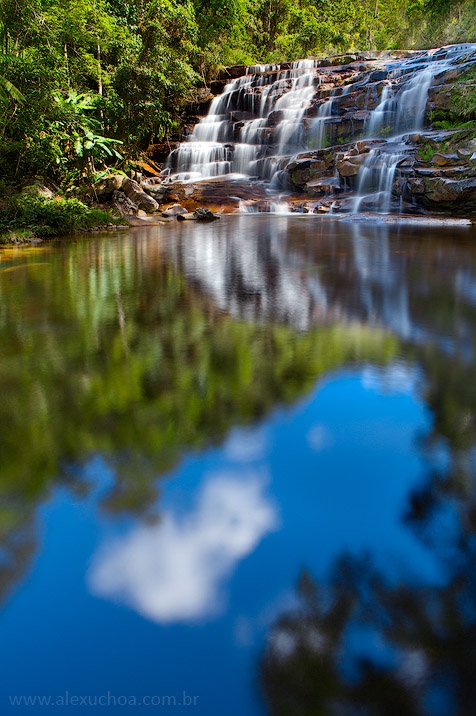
point(304, 272)
point(142, 350)
point(359, 644)
point(174, 571)
point(111, 350)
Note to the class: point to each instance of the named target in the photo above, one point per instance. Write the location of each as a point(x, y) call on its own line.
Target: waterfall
point(223, 144)
point(274, 113)
point(376, 178)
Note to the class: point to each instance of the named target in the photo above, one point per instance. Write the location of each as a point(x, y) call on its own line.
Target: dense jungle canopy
point(84, 84)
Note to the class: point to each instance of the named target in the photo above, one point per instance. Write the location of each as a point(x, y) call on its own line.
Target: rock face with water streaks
point(350, 133)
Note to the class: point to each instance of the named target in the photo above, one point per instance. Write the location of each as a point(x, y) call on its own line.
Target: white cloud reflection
point(245, 445)
point(319, 438)
point(174, 571)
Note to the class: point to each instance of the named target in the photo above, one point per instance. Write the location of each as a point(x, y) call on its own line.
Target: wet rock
point(416, 186)
point(203, 214)
point(319, 165)
point(443, 160)
point(349, 166)
point(446, 75)
point(464, 154)
point(123, 204)
point(440, 98)
point(440, 189)
point(323, 186)
point(216, 194)
point(174, 210)
point(378, 75)
point(200, 214)
point(274, 118)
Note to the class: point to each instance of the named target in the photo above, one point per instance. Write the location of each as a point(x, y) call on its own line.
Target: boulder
point(123, 204)
point(440, 189)
point(175, 210)
point(140, 198)
point(349, 165)
point(323, 186)
point(444, 159)
point(416, 186)
point(200, 214)
point(203, 214)
point(40, 188)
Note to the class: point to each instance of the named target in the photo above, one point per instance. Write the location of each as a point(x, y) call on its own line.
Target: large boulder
point(440, 189)
point(138, 196)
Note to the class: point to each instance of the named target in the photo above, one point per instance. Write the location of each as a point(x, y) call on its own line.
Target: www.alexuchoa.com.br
point(108, 699)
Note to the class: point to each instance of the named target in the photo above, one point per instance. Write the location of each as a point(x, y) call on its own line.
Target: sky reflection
point(174, 571)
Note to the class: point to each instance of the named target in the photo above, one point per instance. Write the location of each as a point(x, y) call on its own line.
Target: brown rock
point(139, 197)
point(416, 186)
point(442, 160)
point(216, 194)
point(174, 210)
point(439, 189)
point(325, 185)
point(349, 166)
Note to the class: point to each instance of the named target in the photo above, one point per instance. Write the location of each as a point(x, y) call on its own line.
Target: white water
point(262, 118)
point(376, 181)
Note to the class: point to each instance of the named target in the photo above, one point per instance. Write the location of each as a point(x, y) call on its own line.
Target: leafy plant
point(7, 90)
point(50, 217)
point(77, 133)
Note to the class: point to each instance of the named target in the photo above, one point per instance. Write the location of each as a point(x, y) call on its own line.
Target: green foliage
point(8, 90)
point(426, 153)
point(453, 124)
point(463, 96)
point(48, 217)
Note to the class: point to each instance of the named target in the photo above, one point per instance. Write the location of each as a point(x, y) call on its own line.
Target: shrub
point(50, 217)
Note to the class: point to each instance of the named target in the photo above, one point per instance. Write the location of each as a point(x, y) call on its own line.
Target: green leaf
point(7, 89)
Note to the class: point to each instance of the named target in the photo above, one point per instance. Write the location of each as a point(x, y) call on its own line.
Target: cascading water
point(275, 113)
point(239, 133)
point(376, 178)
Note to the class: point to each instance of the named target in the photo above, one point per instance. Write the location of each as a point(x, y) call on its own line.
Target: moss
point(426, 153)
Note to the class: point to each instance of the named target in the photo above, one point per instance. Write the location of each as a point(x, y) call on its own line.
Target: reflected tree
point(107, 350)
point(359, 643)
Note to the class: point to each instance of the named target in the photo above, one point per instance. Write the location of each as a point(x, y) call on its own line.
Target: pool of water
point(237, 467)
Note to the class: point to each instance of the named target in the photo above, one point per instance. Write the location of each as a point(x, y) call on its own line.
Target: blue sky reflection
point(174, 571)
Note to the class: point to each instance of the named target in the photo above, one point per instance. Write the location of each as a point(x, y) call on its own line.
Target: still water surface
point(237, 468)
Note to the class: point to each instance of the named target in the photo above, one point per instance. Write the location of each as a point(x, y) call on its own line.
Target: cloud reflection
point(173, 571)
point(245, 445)
point(319, 438)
